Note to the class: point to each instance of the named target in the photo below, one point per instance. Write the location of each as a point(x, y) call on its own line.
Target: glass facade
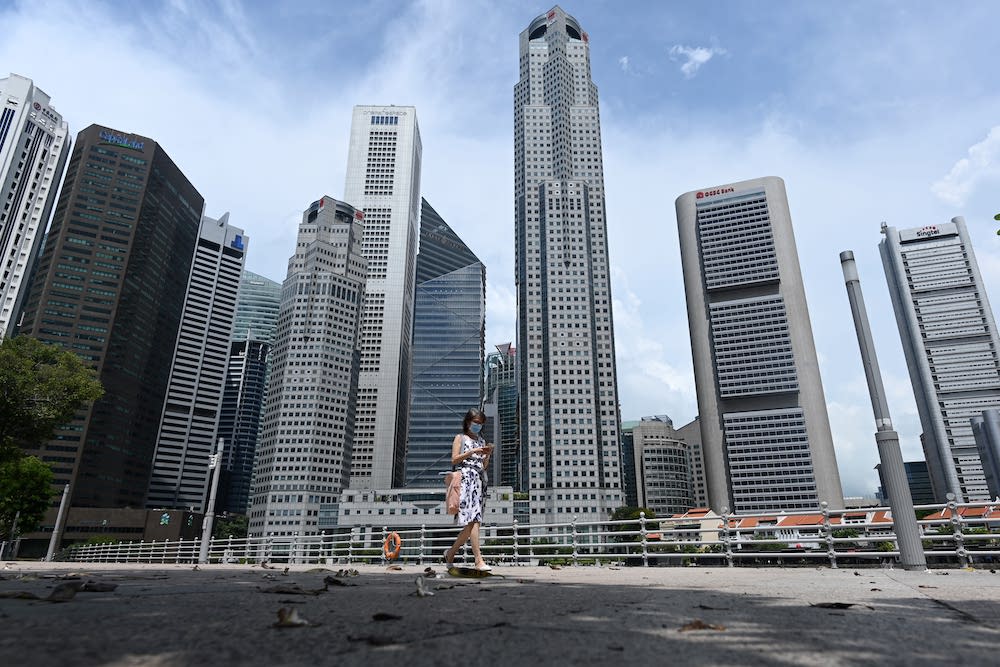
point(501, 392)
point(449, 328)
point(257, 306)
point(110, 286)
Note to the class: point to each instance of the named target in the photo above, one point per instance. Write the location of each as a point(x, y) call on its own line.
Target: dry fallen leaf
point(383, 616)
point(422, 590)
point(394, 567)
point(289, 618)
point(698, 624)
point(334, 581)
point(97, 587)
point(65, 592)
point(18, 595)
point(292, 589)
point(832, 605)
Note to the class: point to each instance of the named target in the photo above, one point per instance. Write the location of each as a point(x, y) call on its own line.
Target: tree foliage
point(25, 492)
point(230, 525)
point(41, 387)
point(626, 513)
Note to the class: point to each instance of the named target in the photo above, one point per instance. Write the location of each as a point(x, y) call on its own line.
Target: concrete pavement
point(173, 615)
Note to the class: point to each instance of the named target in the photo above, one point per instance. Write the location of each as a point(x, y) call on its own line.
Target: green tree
point(632, 513)
point(41, 387)
point(25, 492)
point(231, 525)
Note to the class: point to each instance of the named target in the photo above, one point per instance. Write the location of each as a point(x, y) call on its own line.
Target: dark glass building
point(501, 396)
point(110, 286)
point(449, 334)
point(629, 489)
point(257, 308)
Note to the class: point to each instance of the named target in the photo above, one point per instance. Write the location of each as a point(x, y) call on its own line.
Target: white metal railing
point(959, 534)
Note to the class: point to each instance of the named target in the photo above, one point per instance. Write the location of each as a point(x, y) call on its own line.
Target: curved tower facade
point(765, 429)
point(569, 393)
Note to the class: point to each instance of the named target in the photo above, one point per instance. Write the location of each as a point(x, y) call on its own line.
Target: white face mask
point(475, 427)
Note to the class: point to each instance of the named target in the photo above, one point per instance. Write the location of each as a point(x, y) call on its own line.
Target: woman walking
point(471, 455)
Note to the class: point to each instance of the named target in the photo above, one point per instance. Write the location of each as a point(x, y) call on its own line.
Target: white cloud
point(623, 62)
point(983, 164)
point(695, 57)
point(647, 373)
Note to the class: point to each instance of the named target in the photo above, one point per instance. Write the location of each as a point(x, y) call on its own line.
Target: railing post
point(831, 550)
point(645, 543)
point(727, 539)
point(423, 539)
point(573, 528)
point(515, 542)
point(385, 536)
point(957, 537)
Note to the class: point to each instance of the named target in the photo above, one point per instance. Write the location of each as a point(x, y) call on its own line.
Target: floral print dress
point(473, 497)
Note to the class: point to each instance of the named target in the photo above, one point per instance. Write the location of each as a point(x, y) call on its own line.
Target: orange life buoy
point(393, 543)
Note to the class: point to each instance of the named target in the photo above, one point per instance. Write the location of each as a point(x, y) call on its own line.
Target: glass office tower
point(110, 286)
point(449, 328)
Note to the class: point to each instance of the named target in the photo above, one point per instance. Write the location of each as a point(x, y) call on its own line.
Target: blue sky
point(870, 111)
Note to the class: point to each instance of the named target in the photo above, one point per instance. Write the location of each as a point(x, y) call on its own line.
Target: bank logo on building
point(121, 140)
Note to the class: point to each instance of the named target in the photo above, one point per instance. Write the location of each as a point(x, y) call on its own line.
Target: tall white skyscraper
point(383, 179)
point(34, 143)
point(569, 390)
point(951, 346)
point(189, 425)
point(307, 430)
point(765, 429)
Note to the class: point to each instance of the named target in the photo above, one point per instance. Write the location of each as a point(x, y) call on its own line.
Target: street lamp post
point(60, 522)
point(904, 521)
point(214, 467)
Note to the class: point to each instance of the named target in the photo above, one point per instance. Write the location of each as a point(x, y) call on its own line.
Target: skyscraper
point(34, 143)
point(663, 470)
point(257, 305)
point(565, 348)
point(765, 430)
point(501, 392)
point(110, 286)
point(449, 329)
point(307, 431)
point(189, 426)
point(950, 342)
point(383, 179)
